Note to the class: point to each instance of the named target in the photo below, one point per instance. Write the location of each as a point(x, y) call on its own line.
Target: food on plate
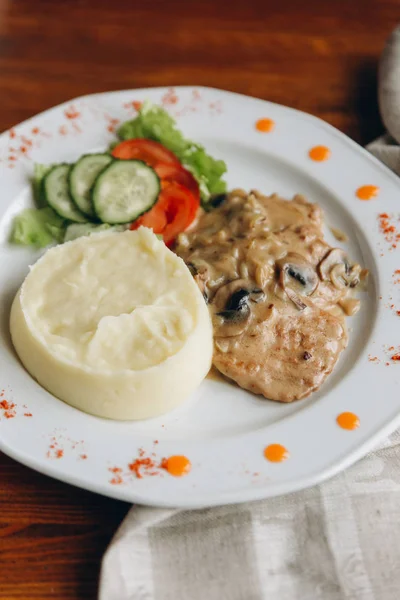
point(114, 325)
point(277, 292)
point(56, 193)
point(174, 211)
point(82, 176)
point(124, 191)
point(38, 227)
point(154, 123)
point(153, 177)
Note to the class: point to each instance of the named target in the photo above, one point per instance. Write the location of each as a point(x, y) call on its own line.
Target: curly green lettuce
point(154, 123)
point(37, 227)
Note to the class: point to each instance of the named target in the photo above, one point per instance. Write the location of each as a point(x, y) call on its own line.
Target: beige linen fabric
point(336, 541)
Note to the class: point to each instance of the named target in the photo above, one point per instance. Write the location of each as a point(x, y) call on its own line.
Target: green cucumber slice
point(125, 190)
point(82, 177)
point(56, 193)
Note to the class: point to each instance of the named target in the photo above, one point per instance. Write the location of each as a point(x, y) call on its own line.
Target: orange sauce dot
point(177, 465)
point(348, 420)
point(367, 192)
point(276, 453)
point(319, 153)
point(265, 125)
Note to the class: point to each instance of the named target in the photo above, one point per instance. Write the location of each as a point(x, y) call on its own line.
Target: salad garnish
point(153, 177)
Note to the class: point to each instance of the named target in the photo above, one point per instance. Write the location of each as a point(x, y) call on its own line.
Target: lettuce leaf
point(154, 123)
point(37, 227)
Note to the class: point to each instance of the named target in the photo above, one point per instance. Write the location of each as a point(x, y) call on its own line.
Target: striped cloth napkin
point(335, 541)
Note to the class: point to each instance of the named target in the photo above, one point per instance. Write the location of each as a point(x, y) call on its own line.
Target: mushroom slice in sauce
point(216, 201)
point(336, 267)
point(257, 295)
point(297, 274)
point(232, 312)
point(297, 301)
point(234, 299)
point(297, 277)
point(237, 305)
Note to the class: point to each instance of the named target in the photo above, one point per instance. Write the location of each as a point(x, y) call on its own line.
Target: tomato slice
point(171, 172)
point(155, 219)
point(174, 211)
point(180, 207)
point(150, 152)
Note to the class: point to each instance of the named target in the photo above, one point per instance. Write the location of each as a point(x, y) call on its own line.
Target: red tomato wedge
point(155, 219)
point(150, 152)
point(171, 172)
point(176, 207)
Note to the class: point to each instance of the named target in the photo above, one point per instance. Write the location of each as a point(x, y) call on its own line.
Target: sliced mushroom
point(232, 307)
point(232, 311)
point(354, 275)
point(224, 292)
point(336, 267)
point(336, 256)
point(297, 274)
point(338, 275)
point(215, 201)
point(297, 301)
point(257, 295)
point(229, 323)
point(237, 303)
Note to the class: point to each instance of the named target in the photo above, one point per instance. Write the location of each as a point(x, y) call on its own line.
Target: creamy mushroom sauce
point(277, 292)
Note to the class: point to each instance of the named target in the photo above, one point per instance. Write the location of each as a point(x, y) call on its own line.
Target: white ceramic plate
point(222, 429)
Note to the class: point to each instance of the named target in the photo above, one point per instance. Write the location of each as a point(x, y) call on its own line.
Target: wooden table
point(320, 57)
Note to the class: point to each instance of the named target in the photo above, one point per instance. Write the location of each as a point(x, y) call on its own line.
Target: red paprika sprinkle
point(142, 466)
point(71, 112)
point(8, 407)
point(388, 229)
point(117, 472)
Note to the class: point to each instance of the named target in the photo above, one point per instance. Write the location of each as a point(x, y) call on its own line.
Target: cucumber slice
point(124, 190)
point(82, 177)
point(56, 193)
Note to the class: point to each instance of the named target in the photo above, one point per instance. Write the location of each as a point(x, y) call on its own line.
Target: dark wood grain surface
point(317, 56)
